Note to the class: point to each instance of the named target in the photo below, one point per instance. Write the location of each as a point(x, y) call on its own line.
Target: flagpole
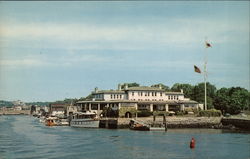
point(205, 75)
point(205, 83)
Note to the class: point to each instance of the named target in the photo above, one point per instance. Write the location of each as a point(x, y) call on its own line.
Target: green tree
point(130, 85)
point(66, 101)
point(89, 97)
point(239, 99)
point(199, 93)
point(221, 100)
point(187, 89)
point(166, 88)
point(6, 103)
point(232, 100)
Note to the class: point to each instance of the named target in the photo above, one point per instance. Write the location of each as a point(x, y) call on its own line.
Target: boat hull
point(84, 123)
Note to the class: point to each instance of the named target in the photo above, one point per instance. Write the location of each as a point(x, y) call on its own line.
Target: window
point(132, 93)
point(152, 93)
point(155, 93)
point(120, 96)
point(161, 94)
point(111, 96)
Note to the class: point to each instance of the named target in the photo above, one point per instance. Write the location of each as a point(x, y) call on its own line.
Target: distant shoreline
point(15, 112)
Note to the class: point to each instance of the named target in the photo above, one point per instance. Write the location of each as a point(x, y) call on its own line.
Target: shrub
point(195, 110)
point(210, 113)
point(144, 113)
point(181, 113)
point(160, 113)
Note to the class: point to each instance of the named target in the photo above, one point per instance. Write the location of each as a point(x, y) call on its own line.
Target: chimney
point(119, 87)
point(126, 86)
point(96, 89)
point(160, 86)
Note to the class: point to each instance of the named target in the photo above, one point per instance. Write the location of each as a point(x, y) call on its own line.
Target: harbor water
point(24, 137)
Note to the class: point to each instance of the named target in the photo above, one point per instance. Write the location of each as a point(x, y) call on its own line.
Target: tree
point(198, 94)
point(232, 100)
point(130, 85)
point(238, 99)
point(166, 88)
point(66, 101)
point(89, 97)
point(221, 100)
point(187, 89)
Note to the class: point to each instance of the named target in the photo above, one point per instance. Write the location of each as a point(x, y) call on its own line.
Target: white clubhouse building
point(139, 98)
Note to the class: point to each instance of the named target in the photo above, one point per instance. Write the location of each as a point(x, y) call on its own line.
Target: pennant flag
point(196, 69)
point(208, 45)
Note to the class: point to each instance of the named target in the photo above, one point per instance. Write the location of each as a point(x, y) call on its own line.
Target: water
point(23, 137)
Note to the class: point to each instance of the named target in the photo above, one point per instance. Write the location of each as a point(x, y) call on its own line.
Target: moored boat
point(138, 125)
point(85, 120)
point(52, 121)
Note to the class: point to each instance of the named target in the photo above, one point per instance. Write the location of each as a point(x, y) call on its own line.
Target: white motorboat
point(85, 120)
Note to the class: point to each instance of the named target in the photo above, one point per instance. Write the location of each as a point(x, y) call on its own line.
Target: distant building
point(18, 103)
point(17, 108)
point(71, 109)
point(138, 98)
point(56, 109)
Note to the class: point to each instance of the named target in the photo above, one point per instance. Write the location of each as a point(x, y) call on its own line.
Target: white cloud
point(61, 61)
point(182, 31)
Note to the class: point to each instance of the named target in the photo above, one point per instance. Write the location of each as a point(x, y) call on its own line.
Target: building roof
point(109, 91)
point(174, 93)
point(110, 101)
point(188, 102)
point(142, 102)
point(145, 88)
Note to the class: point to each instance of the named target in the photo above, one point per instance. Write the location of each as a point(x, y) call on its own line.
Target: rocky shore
point(192, 122)
point(177, 122)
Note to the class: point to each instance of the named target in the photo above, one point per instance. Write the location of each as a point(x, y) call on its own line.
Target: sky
point(55, 50)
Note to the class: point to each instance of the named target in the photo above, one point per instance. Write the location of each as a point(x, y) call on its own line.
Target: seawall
point(236, 122)
point(176, 122)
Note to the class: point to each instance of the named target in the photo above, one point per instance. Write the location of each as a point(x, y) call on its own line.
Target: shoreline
point(193, 122)
point(176, 122)
point(15, 112)
point(173, 121)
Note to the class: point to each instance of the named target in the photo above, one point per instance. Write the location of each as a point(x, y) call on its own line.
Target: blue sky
point(55, 50)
